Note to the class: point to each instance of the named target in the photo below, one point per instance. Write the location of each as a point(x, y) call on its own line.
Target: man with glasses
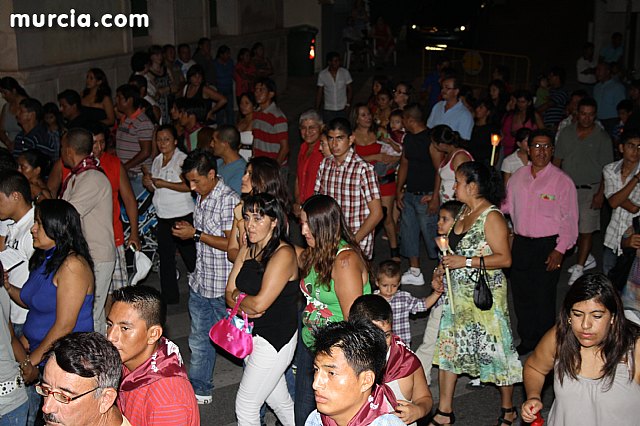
point(80, 381)
point(582, 150)
point(451, 111)
point(543, 205)
point(621, 180)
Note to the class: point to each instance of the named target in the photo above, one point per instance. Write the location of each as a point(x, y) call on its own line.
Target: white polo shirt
point(335, 91)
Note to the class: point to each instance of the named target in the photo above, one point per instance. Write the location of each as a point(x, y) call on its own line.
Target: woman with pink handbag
point(264, 281)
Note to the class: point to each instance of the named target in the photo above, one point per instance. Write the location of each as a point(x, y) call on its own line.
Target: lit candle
point(442, 241)
point(495, 141)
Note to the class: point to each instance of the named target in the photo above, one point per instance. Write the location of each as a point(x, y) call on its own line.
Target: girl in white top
point(246, 105)
point(173, 202)
point(518, 158)
point(448, 142)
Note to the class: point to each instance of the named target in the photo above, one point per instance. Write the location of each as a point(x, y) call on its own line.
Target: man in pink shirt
point(543, 204)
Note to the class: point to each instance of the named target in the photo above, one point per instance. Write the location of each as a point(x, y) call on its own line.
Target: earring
point(569, 320)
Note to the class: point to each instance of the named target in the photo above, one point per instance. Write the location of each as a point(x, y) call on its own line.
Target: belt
point(537, 238)
point(420, 193)
point(9, 386)
point(587, 186)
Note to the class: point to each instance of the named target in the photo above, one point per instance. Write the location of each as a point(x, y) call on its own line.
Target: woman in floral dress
point(471, 341)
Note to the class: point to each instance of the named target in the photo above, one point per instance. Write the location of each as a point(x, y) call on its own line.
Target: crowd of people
point(413, 165)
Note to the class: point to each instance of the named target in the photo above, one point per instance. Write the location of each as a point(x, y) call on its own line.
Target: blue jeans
point(34, 403)
point(16, 417)
point(136, 184)
point(415, 216)
point(225, 115)
point(204, 313)
point(609, 259)
point(305, 400)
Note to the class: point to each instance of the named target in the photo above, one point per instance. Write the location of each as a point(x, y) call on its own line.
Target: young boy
point(446, 218)
point(402, 302)
point(403, 373)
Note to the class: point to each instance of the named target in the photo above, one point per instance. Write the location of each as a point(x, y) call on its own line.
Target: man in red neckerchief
point(403, 373)
point(349, 363)
point(155, 389)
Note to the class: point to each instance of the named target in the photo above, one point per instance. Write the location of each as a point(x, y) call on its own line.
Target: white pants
point(428, 346)
point(102, 272)
point(263, 380)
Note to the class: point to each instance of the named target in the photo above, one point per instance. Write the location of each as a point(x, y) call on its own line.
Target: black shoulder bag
point(482, 297)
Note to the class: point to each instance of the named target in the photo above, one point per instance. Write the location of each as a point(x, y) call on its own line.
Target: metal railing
point(477, 65)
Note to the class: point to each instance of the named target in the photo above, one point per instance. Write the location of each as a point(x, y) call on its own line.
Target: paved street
point(472, 407)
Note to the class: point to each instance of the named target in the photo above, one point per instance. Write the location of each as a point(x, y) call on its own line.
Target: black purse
point(482, 297)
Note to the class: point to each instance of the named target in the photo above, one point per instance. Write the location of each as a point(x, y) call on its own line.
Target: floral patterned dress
point(471, 341)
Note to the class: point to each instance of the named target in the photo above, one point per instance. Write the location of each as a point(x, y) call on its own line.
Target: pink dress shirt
point(543, 206)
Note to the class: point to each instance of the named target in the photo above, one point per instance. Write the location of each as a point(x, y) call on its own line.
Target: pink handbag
point(233, 334)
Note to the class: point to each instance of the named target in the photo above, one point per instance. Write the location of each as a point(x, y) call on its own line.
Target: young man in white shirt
point(334, 88)
point(16, 205)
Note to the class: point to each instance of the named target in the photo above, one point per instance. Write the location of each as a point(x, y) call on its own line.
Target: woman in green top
point(335, 274)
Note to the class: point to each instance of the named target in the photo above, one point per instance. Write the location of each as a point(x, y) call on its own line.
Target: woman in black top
point(265, 275)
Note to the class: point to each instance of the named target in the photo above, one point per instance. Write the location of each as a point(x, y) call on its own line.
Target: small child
point(403, 373)
point(542, 91)
point(446, 218)
point(402, 302)
point(391, 143)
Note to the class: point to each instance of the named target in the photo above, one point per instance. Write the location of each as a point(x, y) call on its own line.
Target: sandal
point(504, 412)
point(451, 416)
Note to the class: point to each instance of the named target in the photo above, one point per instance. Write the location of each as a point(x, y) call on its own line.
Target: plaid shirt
point(402, 304)
point(213, 215)
point(620, 218)
point(353, 184)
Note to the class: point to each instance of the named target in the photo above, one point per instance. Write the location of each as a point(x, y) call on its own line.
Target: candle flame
point(495, 139)
point(443, 242)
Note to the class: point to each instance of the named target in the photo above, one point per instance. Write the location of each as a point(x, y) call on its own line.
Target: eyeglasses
point(544, 146)
point(631, 144)
point(59, 396)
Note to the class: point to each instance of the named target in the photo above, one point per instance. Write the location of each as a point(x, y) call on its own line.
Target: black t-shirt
point(420, 173)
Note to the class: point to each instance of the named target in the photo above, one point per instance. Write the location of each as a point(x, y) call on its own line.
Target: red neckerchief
point(401, 363)
point(375, 407)
point(165, 362)
point(88, 163)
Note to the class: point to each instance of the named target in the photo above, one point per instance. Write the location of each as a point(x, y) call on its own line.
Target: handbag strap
point(234, 311)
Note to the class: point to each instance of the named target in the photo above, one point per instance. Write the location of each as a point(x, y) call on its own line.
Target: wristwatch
point(467, 263)
point(196, 236)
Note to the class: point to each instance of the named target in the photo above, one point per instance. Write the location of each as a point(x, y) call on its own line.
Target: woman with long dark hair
point(96, 97)
point(59, 291)
point(34, 165)
point(474, 341)
point(335, 274)
point(593, 350)
point(264, 282)
point(262, 175)
point(523, 115)
point(197, 88)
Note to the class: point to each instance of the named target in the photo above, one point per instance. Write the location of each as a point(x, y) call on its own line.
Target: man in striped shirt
point(270, 128)
point(134, 135)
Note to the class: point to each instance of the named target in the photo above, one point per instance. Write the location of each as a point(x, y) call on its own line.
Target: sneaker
point(577, 273)
point(409, 279)
point(204, 400)
point(589, 264)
